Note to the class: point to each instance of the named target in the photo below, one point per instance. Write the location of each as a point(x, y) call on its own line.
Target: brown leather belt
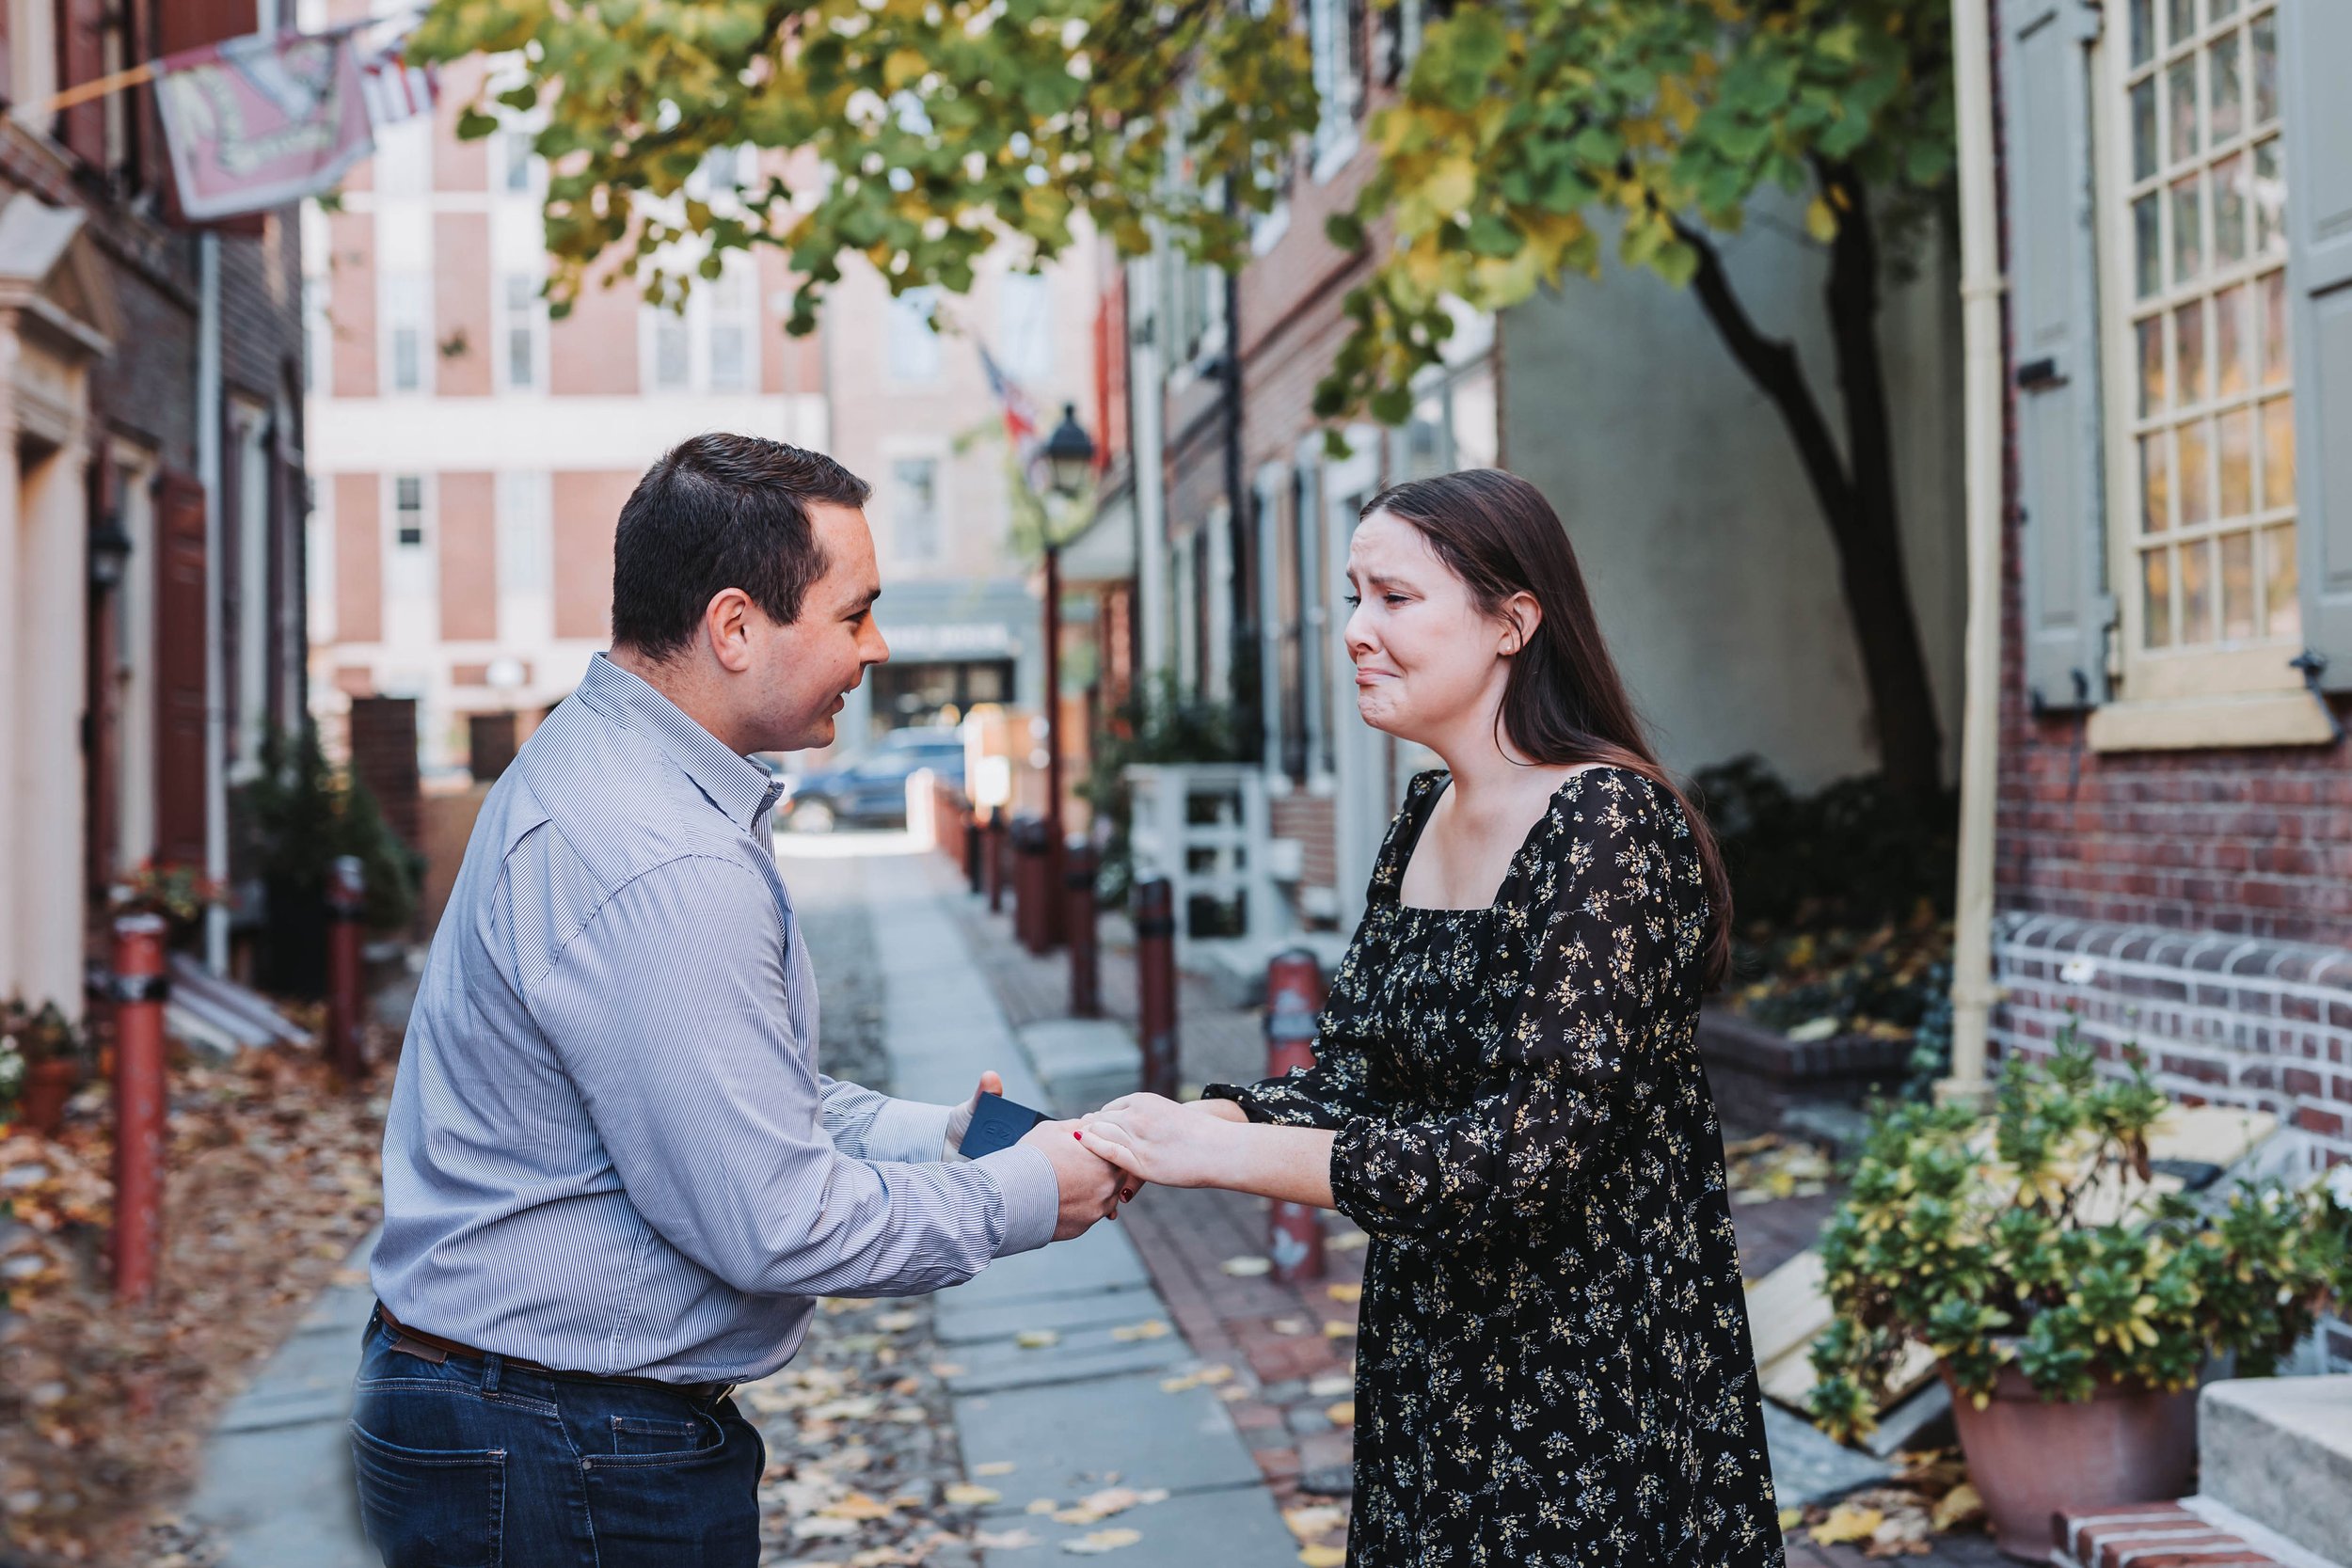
point(433, 1348)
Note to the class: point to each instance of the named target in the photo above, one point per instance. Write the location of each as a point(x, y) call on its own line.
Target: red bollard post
point(140, 1089)
point(1155, 982)
point(1293, 997)
point(1032, 884)
point(995, 859)
point(1079, 862)
point(346, 899)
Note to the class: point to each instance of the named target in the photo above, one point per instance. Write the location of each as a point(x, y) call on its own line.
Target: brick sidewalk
point(1292, 1367)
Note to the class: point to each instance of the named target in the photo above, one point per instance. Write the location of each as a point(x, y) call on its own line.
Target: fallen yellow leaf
point(1342, 1414)
point(1345, 1292)
point(995, 1468)
point(1132, 1332)
point(1037, 1339)
point(1960, 1502)
point(963, 1493)
point(1041, 1505)
point(1322, 1556)
point(856, 1505)
point(1246, 1268)
point(1847, 1523)
point(1334, 1329)
point(1103, 1540)
point(1309, 1520)
point(1790, 1518)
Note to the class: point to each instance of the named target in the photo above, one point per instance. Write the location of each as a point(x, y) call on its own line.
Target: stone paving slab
point(992, 1320)
point(1069, 1439)
point(277, 1488)
point(1080, 1355)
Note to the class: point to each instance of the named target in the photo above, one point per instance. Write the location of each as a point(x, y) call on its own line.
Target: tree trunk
point(1854, 490)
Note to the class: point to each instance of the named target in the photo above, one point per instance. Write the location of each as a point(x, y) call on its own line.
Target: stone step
point(2279, 1451)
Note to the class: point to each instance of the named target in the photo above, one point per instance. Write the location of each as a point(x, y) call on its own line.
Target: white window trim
point(389, 325)
point(2213, 695)
point(938, 456)
point(1333, 146)
point(697, 318)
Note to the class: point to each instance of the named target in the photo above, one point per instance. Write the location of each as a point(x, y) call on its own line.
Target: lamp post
point(1068, 456)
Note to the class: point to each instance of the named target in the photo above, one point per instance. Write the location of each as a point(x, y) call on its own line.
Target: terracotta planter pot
point(47, 1087)
point(2029, 1458)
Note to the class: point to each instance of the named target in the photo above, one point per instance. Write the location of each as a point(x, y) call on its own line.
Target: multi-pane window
point(1024, 327)
point(1335, 35)
point(728, 322)
point(673, 351)
point(914, 347)
point(915, 507)
point(409, 512)
point(407, 307)
point(515, 156)
point(2211, 477)
point(521, 303)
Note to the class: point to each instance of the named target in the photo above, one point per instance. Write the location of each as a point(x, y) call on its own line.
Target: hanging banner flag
point(1020, 414)
point(257, 122)
point(395, 89)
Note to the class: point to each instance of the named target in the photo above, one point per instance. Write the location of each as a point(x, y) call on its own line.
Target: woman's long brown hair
point(1563, 701)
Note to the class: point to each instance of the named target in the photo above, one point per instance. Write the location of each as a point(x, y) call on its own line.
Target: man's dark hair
point(720, 512)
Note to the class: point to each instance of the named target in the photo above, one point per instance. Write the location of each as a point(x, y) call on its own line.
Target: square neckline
point(1402, 848)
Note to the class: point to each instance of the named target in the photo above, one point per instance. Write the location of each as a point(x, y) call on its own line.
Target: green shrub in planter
point(2036, 1237)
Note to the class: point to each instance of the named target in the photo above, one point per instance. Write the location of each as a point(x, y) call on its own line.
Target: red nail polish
point(1080, 1136)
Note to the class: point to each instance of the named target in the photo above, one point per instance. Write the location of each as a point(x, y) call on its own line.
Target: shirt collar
point(739, 787)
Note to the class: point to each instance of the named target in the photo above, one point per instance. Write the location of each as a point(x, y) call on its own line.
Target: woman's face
point(1429, 663)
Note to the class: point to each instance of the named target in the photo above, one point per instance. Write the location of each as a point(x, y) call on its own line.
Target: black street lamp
point(1069, 453)
point(1069, 466)
point(109, 551)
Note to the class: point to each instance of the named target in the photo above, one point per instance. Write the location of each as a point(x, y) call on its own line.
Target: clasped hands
point(1103, 1160)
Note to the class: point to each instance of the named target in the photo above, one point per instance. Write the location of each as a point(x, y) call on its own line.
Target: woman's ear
point(1521, 615)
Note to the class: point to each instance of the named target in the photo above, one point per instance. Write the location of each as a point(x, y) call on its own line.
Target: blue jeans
point(466, 1464)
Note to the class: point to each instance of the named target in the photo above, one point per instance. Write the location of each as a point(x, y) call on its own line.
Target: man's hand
point(1089, 1186)
point(960, 1120)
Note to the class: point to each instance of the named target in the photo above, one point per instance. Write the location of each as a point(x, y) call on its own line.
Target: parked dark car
point(871, 791)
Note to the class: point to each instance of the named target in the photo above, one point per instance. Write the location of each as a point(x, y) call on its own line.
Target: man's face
point(804, 669)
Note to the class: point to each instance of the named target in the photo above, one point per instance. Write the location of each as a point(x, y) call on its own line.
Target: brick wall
point(595, 348)
point(350, 302)
point(358, 558)
point(587, 507)
point(461, 306)
point(2194, 904)
point(468, 506)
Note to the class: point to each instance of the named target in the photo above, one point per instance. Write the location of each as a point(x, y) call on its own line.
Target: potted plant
point(178, 892)
point(43, 1056)
point(301, 814)
point(2071, 1296)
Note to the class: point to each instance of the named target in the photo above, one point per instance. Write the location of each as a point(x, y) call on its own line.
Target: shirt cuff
point(909, 1131)
point(1025, 1179)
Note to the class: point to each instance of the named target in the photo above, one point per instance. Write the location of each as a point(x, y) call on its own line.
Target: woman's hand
point(1157, 1139)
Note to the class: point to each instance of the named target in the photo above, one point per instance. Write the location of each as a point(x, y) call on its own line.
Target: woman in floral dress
point(1553, 1365)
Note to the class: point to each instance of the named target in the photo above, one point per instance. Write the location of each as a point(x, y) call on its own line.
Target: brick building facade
point(2174, 842)
point(474, 454)
point(150, 565)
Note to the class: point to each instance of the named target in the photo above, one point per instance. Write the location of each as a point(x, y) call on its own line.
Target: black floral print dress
point(1553, 1365)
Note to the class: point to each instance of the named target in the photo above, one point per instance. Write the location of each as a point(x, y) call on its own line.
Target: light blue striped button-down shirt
point(610, 1148)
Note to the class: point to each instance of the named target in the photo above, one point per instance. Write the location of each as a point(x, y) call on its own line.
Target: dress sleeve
point(1570, 1070)
point(1330, 1094)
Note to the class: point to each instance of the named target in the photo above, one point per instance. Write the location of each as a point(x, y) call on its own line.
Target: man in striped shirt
point(614, 1180)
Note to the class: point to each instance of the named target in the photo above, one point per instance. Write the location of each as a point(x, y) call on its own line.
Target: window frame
point(2247, 670)
point(1333, 64)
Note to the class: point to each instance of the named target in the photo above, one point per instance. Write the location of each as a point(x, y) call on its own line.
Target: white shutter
point(2315, 63)
point(2054, 347)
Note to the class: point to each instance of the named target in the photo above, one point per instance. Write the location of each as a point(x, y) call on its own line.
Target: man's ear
point(726, 621)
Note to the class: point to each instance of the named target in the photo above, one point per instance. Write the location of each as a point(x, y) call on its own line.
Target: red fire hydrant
point(139, 987)
point(1293, 996)
point(346, 900)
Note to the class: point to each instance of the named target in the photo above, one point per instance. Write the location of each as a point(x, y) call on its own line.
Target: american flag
point(394, 90)
point(1020, 414)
